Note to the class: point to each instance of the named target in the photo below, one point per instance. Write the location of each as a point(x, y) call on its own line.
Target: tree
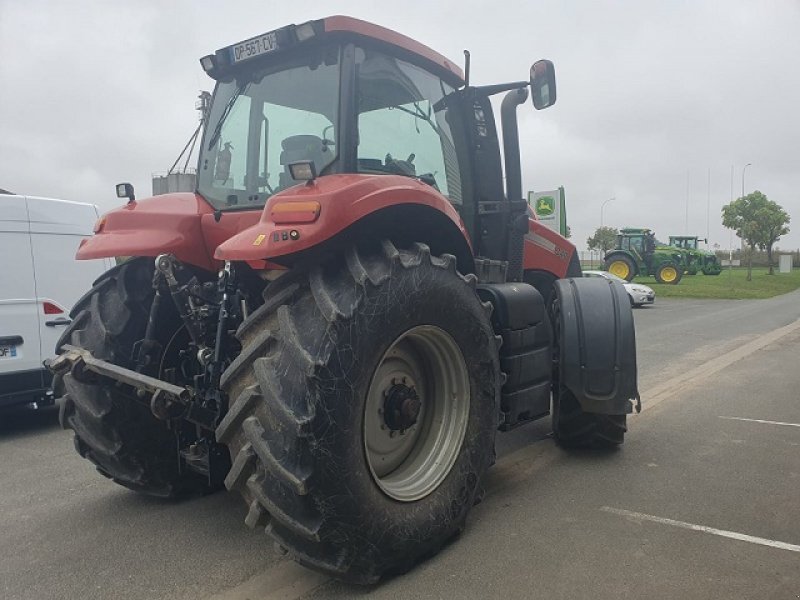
point(758, 221)
point(604, 239)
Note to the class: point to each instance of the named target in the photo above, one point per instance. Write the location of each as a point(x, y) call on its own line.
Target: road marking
point(761, 421)
point(742, 537)
point(669, 389)
point(285, 581)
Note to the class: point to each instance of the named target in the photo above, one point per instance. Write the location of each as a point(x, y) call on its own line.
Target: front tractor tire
point(364, 407)
point(114, 430)
point(668, 273)
point(621, 265)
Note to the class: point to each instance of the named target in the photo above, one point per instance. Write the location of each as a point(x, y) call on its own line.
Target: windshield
point(265, 120)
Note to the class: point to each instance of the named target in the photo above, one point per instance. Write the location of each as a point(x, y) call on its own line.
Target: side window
point(230, 167)
point(402, 123)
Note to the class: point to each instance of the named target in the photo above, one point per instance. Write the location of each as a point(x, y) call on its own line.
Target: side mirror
point(125, 190)
point(543, 84)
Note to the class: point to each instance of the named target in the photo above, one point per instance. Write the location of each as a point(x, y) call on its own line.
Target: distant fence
point(590, 259)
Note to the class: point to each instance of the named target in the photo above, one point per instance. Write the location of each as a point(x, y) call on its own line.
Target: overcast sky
point(651, 94)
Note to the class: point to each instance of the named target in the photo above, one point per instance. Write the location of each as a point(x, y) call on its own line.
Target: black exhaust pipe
point(518, 214)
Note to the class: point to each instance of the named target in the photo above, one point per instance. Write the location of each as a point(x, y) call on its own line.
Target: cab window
point(402, 123)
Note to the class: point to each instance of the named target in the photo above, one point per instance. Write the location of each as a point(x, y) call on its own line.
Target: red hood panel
point(181, 224)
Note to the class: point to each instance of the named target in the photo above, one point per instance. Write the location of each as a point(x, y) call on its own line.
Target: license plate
point(254, 47)
point(8, 352)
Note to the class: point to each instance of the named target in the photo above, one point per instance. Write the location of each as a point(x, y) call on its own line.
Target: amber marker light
point(295, 212)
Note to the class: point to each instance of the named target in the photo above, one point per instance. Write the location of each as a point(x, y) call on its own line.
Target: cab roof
point(357, 27)
point(228, 59)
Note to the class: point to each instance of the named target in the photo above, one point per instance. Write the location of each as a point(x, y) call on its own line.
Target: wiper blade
point(226, 111)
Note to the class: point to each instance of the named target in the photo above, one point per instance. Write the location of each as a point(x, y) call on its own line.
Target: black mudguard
point(597, 345)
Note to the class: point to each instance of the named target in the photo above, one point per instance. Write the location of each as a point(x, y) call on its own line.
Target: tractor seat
point(301, 147)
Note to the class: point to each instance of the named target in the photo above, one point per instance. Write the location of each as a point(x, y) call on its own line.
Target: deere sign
point(550, 209)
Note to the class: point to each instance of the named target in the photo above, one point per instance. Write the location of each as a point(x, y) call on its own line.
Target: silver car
point(638, 293)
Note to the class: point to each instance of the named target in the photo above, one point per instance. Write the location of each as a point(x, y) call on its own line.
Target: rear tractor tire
point(573, 427)
point(668, 273)
point(364, 407)
point(113, 430)
point(621, 266)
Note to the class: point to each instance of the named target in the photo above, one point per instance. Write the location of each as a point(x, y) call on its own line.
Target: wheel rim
point(619, 268)
point(669, 274)
point(416, 413)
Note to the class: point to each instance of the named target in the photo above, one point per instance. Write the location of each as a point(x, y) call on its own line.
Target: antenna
point(202, 105)
point(466, 68)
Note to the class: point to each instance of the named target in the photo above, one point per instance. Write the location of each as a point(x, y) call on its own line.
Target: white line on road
point(761, 421)
point(743, 537)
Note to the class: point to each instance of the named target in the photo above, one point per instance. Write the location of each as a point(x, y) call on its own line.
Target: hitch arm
point(78, 360)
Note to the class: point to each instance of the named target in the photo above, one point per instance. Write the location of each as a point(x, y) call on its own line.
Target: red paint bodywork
point(344, 199)
point(554, 258)
point(180, 224)
point(184, 224)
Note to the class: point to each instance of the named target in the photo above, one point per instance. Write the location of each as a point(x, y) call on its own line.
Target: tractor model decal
point(548, 245)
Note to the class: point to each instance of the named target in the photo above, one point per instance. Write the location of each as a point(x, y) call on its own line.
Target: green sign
point(550, 209)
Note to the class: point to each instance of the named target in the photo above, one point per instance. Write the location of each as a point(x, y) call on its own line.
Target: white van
point(40, 280)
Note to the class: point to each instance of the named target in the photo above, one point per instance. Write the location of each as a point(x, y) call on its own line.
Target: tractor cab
point(636, 241)
point(319, 99)
point(338, 97)
point(684, 242)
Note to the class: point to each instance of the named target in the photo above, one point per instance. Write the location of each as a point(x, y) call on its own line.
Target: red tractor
point(351, 305)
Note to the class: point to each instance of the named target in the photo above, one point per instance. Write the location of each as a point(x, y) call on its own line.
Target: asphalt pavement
point(701, 501)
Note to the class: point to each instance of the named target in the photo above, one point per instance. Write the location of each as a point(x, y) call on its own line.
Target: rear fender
point(597, 344)
point(343, 201)
point(403, 224)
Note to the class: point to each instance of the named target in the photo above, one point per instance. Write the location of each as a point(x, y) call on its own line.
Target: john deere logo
point(545, 206)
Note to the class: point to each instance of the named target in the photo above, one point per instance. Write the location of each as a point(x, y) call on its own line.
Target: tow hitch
point(167, 401)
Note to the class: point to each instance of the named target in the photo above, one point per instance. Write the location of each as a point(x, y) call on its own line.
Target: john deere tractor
point(638, 252)
point(339, 320)
point(699, 259)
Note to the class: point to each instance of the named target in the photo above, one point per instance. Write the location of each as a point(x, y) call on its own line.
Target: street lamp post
point(602, 206)
point(743, 172)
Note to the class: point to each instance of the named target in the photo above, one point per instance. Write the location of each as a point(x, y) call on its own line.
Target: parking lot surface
point(701, 502)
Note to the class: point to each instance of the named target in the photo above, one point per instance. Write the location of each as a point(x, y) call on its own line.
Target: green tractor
point(699, 259)
point(638, 252)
